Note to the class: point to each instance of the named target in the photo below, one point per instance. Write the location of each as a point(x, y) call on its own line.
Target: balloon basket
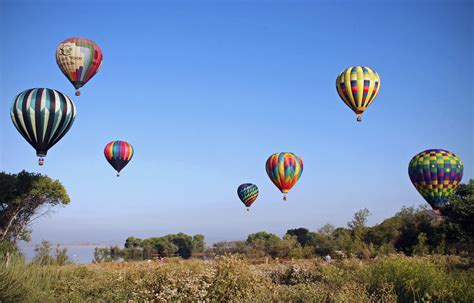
point(78, 93)
point(248, 209)
point(359, 118)
point(41, 161)
point(118, 174)
point(284, 198)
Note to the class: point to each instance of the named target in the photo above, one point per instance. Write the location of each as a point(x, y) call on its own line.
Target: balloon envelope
point(284, 169)
point(118, 154)
point(435, 173)
point(79, 59)
point(247, 193)
point(42, 116)
point(358, 86)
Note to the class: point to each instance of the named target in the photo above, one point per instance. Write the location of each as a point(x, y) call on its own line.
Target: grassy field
point(229, 279)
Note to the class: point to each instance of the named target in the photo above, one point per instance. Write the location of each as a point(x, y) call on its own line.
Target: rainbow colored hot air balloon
point(435, 173)
point(42, 116)
point(358, 86)
point(247, 193)
point(284, 169)
point(79, 59)
point(118, 153)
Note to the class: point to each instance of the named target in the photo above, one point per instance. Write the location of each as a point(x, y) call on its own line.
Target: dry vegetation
point(228, 279)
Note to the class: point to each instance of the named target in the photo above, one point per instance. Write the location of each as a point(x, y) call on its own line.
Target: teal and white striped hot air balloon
point(42, 116)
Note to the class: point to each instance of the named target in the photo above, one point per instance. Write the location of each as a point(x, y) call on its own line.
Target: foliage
point(24, 197)
point(44, 255)
point(411, 231)
point(420, 279)
point(144, 249)
point(229, 279)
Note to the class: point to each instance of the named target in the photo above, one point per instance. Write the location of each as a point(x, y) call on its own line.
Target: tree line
point(411, 231)
point(25, 197)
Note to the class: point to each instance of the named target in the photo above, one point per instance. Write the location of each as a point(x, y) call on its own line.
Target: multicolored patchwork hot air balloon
point(118, 153)
point(435, 173)
point(42, 116)
point(79, 59)
point(284, 169)
point(358, 86)
point(248, 193)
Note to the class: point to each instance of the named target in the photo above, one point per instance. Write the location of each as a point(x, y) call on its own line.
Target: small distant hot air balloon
point(284, 169)
point(79, 59)
point(247, 193)
point(118, 153)
point(42, 116)
point(358, 86)
point(435, 173)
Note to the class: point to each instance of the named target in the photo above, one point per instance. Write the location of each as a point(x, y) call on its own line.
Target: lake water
point(80, 254)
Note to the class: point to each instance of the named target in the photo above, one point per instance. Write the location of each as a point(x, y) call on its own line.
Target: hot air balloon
point(79, 59)
point(247, 193)
point(284, 169)
point(435, 173)
point(358, 86)
point(42, 116)
point(118, 153)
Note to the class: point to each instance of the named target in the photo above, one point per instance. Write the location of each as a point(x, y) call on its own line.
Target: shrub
point(416, 279)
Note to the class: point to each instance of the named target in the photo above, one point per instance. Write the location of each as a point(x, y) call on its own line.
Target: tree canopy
point(24, 197)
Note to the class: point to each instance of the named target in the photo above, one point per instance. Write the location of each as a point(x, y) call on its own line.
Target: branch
point(9, 225)
point(46, 212)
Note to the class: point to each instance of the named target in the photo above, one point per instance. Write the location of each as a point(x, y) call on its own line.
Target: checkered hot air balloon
point(42, 116)
point(118, 153)
point(358, 86)
point(284, 169)
point(435, 173)
point(79, 59)
point(247, 193)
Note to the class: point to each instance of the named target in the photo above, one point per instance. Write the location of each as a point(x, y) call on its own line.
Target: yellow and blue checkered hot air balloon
point(435, 173)
point(358, 86)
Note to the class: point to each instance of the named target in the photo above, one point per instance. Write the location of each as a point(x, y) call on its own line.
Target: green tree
point(359, 230)
point(133, 242)
point(343, 240)
point(102, 254)
point(302, 235)
point(24, 197)
point(289, 248)
point(165, 248)
point(198, 243)
point(265, 242)
point(420, 248)
point(44, 255)
point(322, 243)
point(327, 230)
point(183, 242)
point(459, 214)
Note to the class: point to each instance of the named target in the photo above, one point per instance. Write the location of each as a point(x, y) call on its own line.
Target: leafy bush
point(229, 279)
point(416, 279)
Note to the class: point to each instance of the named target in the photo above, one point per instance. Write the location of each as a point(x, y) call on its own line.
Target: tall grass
point(229, 279)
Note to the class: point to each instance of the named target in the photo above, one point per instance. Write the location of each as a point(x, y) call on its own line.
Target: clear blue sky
point(205, 91)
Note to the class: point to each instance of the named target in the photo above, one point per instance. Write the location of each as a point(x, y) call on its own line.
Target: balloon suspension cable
point(284, 197)
point(41, 161)
point(78, 93)
point(118, 174)
point(359, 118)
